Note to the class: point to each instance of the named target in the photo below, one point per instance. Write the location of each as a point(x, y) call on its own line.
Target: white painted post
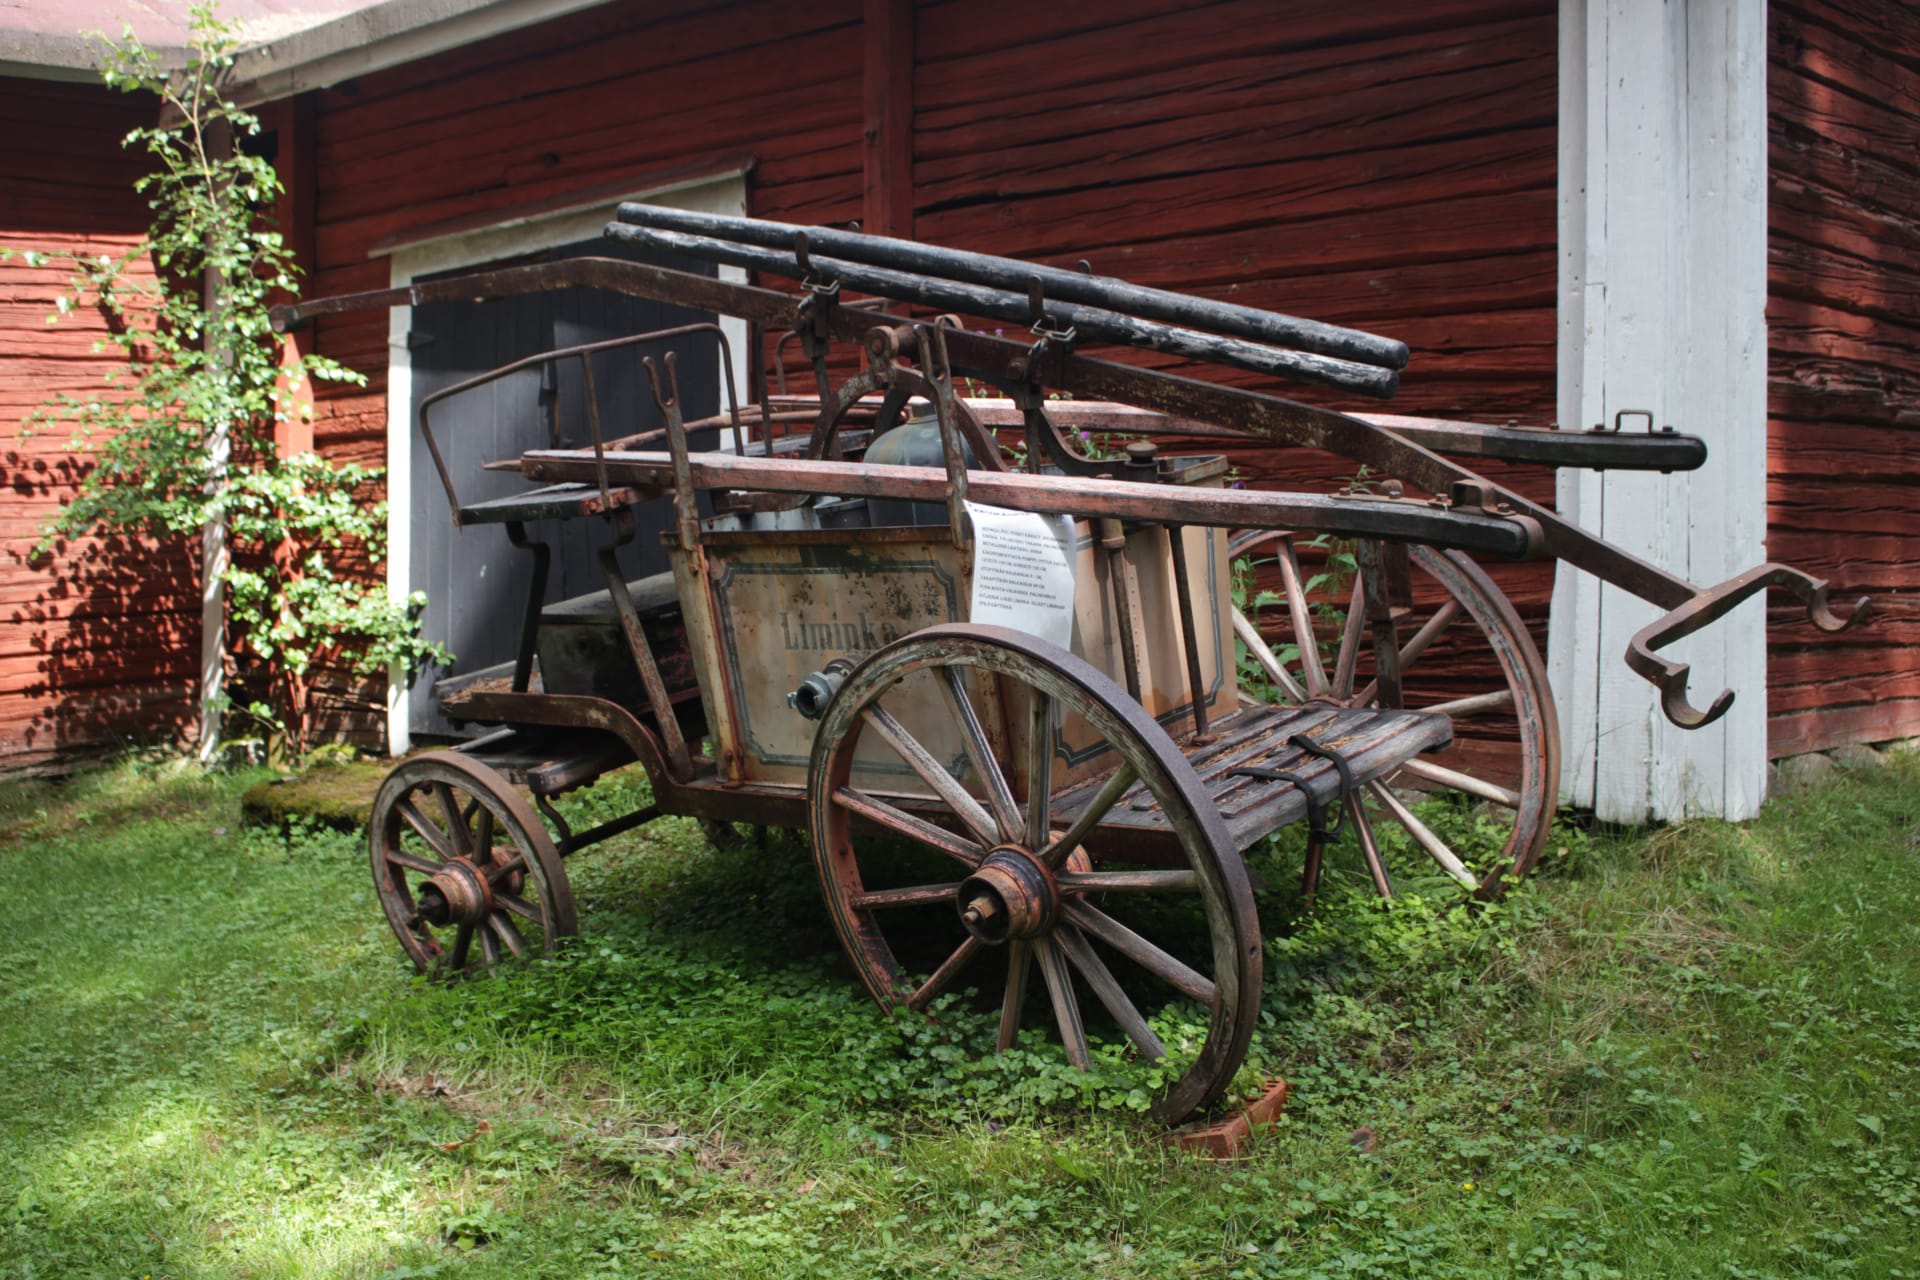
point(1663, 280)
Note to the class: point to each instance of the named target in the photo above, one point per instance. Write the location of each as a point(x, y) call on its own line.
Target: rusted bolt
point(981, 908)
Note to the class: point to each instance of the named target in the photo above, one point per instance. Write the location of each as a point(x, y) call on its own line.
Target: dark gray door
point(476, 581)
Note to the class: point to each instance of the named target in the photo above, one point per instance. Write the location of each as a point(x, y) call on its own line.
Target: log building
point(1705, 211)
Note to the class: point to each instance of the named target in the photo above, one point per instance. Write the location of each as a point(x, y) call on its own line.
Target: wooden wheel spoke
point(1006, 813)
point(427, 830)
point(400, 858)
point(457, 830)
point(943, 976)
point(1301, 612)
point(509, 934)
point(1100, 979)
point(1039, 769)
point(1268, 661)
point(1019, 964)
point(1133, 880)
point(483, 833)
point(1059, 850)
point(507, 868)
point(1148, 956)
point(1369, 847)
point(1432, 629)
point(1349, 656)
point(519, 906)
point(489, 949)
point(1478, 704)
point(934, 774)
point(919, 895)
point(1423, 835)
point(1066, 1009)
point(1410, 652)
point(905, 824)
point(462, 943)
point(1463, 782)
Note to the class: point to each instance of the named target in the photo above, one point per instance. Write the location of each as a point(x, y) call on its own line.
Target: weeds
point(1689, 1054)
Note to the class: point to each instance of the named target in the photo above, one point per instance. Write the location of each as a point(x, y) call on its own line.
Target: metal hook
point(1709, 606)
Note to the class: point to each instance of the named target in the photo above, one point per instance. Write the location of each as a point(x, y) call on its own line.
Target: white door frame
point(724, 192)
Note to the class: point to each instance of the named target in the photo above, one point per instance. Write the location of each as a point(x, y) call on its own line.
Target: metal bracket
point(1049, 330)
point(1709, 606)
point(1620, 419)
point(937, 369)
point(813, 317)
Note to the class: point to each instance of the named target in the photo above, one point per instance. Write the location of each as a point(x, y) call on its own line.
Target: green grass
point(1690, 1053)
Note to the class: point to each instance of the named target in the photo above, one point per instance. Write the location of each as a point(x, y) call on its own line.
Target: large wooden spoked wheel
point(465, 870)
point(999, 869)
point(1459, 626)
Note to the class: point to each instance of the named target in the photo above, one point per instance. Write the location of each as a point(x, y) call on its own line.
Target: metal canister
point(913, 443)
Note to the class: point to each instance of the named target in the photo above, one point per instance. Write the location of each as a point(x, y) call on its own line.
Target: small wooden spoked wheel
point(1171, 953)
point(465, 870)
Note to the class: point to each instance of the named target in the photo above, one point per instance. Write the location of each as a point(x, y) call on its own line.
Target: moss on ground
point(337, 796)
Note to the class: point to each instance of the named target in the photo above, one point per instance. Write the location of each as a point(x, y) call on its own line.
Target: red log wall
point(1387, 167)
point(1843, 90)
point(99, 644)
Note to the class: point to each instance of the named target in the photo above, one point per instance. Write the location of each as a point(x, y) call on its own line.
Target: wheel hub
point(1009, 895)
point(457, 894)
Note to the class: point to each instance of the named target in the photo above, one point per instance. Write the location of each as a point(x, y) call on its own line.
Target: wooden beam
point(887, 135)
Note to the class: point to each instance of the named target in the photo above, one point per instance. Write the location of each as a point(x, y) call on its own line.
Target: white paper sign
point(1023, 572)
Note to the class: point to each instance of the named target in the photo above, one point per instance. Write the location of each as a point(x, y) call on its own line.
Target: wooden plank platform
point(1374, 744)
point(549, 762)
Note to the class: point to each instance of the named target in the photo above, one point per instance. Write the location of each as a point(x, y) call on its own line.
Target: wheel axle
point(1008, 896)
point(457, 894)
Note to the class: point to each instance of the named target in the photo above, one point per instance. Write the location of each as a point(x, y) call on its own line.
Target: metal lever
point(1710, 606)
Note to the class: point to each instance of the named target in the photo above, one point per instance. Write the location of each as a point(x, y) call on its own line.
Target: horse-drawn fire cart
point(849, 639)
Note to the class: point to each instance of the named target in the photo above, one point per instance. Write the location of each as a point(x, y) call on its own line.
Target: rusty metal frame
point(584, 353)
